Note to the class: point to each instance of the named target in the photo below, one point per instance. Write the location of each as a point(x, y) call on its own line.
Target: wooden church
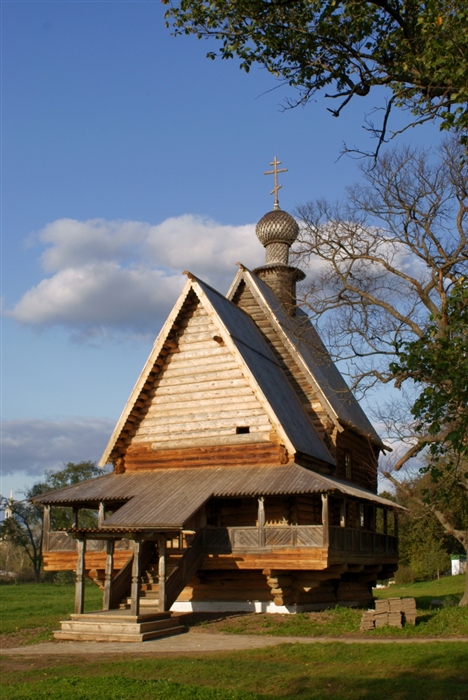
point(244, 470)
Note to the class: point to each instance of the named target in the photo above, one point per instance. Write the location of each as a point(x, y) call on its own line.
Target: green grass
point(433, 621)
point(30, 611)
point(449, 589)
point(288, 672)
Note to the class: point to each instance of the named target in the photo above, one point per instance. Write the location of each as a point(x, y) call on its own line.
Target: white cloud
point(32, 445)
point(118, 277)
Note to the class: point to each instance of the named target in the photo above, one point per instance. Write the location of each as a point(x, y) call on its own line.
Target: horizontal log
point(202, 375)
point(192, 414)
point(173, 424)
point(298, 559)
point(184, 369)
point(182, 405)
point(207, 388)
point(67, 561)
point(143, 457)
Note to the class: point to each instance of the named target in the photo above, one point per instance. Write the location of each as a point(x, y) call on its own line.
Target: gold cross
point(275, 172)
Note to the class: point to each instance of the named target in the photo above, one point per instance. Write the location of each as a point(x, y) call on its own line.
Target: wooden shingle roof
point(304, 343)
point(167, 498)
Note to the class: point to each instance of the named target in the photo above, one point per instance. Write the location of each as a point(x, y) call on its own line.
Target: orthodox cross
point(275, 172)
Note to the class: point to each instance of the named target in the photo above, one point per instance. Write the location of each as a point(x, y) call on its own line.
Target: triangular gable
point(303, 342)
point(259, 368)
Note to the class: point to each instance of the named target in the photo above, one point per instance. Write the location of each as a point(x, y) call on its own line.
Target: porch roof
point(167, 498)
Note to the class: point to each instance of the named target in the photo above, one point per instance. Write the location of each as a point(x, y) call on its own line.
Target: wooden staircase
point(119, 626)
point(149, 590)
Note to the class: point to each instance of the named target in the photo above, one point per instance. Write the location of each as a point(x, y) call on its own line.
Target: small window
point(242, 429)
point(348, 466)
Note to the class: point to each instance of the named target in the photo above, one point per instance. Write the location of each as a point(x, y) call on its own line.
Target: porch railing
point(347, 539)
point(61, 542)
point(219, 540)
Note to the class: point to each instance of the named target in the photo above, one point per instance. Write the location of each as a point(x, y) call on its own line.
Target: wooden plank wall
point(196, 402)
point(363, 459)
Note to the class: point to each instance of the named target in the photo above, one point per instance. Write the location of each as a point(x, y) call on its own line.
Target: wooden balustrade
point(346, 539)
point(221, 540)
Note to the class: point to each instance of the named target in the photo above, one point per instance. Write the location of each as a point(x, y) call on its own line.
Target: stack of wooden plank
point(368, 620)
point(392, 611)
point(408, 608)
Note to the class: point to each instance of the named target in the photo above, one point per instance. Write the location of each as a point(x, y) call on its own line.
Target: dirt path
point(198, 642)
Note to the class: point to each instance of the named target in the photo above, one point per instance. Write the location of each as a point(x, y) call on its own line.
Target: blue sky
point(128, 157)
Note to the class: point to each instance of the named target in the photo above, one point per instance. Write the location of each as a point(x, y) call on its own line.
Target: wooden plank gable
point(201, 394)
point(211, 393)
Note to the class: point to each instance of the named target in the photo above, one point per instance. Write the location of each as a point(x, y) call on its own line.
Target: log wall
point(198, 407)
point(363, 459)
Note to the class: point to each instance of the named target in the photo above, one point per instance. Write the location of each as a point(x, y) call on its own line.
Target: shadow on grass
point(402, 686)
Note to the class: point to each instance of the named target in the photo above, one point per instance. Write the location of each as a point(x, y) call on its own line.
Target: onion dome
point(277, 231)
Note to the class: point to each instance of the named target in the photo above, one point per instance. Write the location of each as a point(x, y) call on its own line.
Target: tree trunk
point(464, 600)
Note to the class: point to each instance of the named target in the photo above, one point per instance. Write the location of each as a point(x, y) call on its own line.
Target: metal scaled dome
point(277, 227)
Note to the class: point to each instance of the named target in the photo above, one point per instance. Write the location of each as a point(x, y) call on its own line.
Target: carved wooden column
point(343, 513)
point(101, 513)
point(136, 574)
point(80, 572)
point(385, 527)
point(325, 520)
point(261, 521)
point(162, 573)
point(46, 529)
point(108, 574)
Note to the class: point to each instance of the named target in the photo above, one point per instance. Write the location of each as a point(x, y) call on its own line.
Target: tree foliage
point(418, 50)
point(23, 529)
point(24, 526)
point(424, 542)
point(438, 363)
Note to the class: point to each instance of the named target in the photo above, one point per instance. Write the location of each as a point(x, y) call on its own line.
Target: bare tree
point(388, 268)
point(384, 259)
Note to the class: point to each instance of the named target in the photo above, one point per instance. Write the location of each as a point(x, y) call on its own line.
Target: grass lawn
point(433, 621)
point(434, 671)
point(30, 611)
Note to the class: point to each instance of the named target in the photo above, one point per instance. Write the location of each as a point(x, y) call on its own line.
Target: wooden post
point(80, 572)
point(343, 513)
point(325, 520)
point(46, 529)
point(162, 573)
point(101, 513)
point(75, 516)
point(135, 590)
point(385, 527)
point(261, 521)
point(108, 574)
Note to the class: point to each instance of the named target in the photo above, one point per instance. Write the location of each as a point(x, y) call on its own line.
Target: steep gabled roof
point(302, 340)
point(258, 364)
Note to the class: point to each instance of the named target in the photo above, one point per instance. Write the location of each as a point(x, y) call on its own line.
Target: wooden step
point(106, 627)
point(109, 637)
point(117, 616)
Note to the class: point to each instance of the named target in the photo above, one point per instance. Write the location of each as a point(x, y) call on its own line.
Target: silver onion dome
point(277, 231)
